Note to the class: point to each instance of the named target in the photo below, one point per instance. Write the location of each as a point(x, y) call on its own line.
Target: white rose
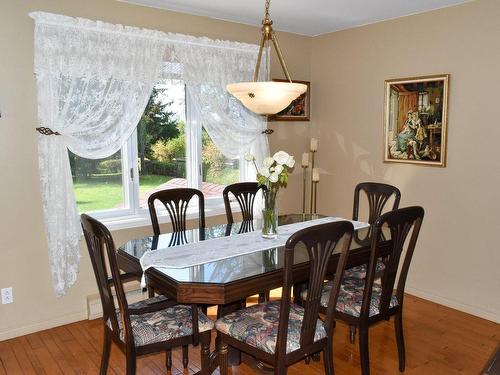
point(268, 162)
point(249, 157)
point(264, 172)
point(281, 157)
point(278, 169)
point(273, 177)
point(290, 162)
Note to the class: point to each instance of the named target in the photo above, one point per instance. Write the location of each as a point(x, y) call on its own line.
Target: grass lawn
point(103, 192)
point(225, 177)
point(151, 181)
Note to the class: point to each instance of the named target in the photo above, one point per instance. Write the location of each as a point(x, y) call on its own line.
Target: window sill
point(213, 207)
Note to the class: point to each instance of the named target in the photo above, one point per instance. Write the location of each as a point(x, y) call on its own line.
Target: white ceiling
point(309, 17)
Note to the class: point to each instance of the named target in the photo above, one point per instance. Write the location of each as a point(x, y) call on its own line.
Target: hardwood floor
point(439, 341)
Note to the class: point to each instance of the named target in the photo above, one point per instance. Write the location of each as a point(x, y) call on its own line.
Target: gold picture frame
point(297, 110)
point(416, 120)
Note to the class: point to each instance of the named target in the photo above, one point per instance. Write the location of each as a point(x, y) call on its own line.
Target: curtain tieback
point(267, 131)
point(46, 131)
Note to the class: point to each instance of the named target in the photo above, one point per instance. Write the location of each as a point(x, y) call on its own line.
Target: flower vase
point(270, 214)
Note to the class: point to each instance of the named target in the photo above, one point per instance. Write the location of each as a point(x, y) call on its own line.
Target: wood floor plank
point(37, 366)
point(61, 355)
point(8, 358)
point(48, 363)
point(439, 340)
point(22, 357)
point(90, 339)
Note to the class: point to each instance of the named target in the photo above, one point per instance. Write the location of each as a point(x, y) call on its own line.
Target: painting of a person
point(416, 119)
point(421, 133)
point(408, 133)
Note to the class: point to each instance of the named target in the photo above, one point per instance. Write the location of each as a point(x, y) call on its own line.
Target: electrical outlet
point(7, 296)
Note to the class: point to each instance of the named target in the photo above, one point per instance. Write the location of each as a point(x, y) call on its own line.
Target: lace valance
point(86, 48)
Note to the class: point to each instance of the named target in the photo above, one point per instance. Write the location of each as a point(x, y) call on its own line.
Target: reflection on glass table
point(230, 269)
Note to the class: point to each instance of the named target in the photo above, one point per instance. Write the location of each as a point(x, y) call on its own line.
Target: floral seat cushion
point(258, 326)
point(148, 302)
point(350, 296)
point(360, 271)
point(163, 325)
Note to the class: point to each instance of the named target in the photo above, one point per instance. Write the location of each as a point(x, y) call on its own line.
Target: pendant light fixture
point(267, 98)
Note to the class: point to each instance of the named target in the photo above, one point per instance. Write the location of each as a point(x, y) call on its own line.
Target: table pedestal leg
point(234, 355)
point(209, 361)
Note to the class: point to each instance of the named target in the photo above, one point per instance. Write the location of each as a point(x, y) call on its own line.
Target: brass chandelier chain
point(268, 35)
point(266, 13)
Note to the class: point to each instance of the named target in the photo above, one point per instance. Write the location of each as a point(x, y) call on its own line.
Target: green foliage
point(80, 167)
point(157, 123)
point(215, 169)
point(109, 166)
point(212, 158)
point(168, 150)
point(174, 169)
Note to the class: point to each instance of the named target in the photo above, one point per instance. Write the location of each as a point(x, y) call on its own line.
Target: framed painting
point(298, 110)
point(415, 121)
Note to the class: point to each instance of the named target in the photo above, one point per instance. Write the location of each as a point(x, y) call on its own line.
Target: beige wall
point(457, 260)
point(23, 249)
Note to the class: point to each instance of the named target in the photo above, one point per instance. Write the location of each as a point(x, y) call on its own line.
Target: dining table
point(227, 282)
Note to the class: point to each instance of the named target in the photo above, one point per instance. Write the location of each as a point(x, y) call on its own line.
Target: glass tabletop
point(230, 269)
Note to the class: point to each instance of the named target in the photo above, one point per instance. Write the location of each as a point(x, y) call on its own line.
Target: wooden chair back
point(176, 203)
point(102, 252)
point(377, 194)
point(245, 193)
point(403, 224)
point(321, 242)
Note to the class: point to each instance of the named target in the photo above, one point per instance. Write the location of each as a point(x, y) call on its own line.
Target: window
point(163, 152)
point(423, 101)
point(218, 171)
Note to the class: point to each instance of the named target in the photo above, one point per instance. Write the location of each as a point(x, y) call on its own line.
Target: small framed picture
point(416, 117)
point(298, 110)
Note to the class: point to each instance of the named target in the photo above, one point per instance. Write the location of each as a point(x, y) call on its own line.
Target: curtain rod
point(252, 48)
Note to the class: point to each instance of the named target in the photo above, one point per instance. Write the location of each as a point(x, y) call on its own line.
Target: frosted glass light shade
point(266, 98)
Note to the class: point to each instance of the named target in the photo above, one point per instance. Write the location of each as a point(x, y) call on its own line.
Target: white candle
point(305, 159)
point(315, 176)
point(314, 144)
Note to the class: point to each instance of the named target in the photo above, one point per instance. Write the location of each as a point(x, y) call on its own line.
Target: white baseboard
point(93, 311)
point(469, 309)
point(94, 306)
point(40, 326)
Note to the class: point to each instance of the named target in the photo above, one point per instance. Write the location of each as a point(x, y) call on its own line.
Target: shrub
point(213, 159)
point(110, 166)
point(166, 151)
point(172, 169)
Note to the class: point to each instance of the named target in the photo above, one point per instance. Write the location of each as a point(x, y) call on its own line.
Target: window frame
point(133, 214)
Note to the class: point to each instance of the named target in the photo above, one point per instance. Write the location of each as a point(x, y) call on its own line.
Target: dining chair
point(364, 302)
point(244, 193)
point(176, 202)
point(149, 326)
point(280, 333)
point(377, 196)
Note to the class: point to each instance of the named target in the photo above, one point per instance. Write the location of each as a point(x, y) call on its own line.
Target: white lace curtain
point(206, 67)
point(94, 80)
